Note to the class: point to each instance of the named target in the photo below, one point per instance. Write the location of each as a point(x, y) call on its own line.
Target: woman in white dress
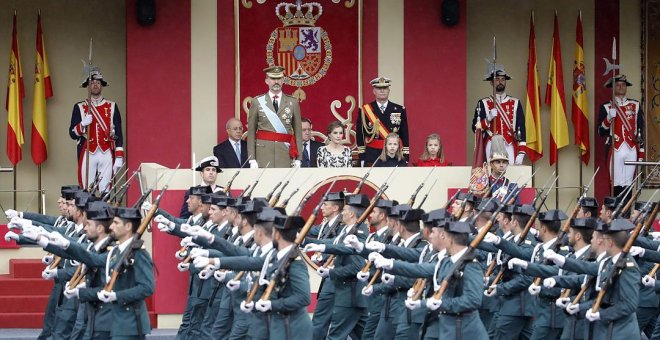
point(334, 154)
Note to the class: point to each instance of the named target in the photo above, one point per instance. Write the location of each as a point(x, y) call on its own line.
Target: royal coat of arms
point(303, 49)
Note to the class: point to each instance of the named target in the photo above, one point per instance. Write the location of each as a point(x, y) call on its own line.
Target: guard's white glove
point(384, 263)
point(253, 164)
point(376, 246)
point(201, 262)
point(146, 205)
point(491, 114)
point(519, 159)
point(233, 285)
point(10, 235)
point(313, 247)
point(549, 282)
point(199, 232)
point(362, 276)
point(491, 291)
point(592, 316)
point(296, 163)
point(71, 293)
point(516, 262)
point(11, 213)
point(186, 241)
point(637, 251)
point(351, 241)
point(317, 258)
point(573, 309)
point(611, 113)
point(373, 256)
point(247, 307)
point(106, 296)
point(554, 257)
point(368, 290)
point(58, 240)
point(19, 223)
point(323, 271)
point(47, 259)
point(86, 120)
point(180, 255)
point(562, 302)
point(412, 305)
point(492, 238)
point(49, 274)
point(433, 304)
point(387, 278)
point(182, 267)
point(220, 275)
point(31, 234)
point(199, 252)
point(648, 281)
point(119, 162)
point(534, 289)
point(165, 227)
point(655, 235)
point(410, 293)
point(534, 232)
point(264, 305)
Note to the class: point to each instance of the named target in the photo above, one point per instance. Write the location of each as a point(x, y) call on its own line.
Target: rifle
point(248, 191)
point(363, 179)
point(286, 201)
point(411, 201)
point(427, 194)
point(276, 197)
point(108, 197)
point(228, 186)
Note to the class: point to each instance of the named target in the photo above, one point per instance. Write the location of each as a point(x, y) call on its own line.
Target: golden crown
point(304, 15)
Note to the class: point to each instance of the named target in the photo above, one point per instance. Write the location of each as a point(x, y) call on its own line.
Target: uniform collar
point(387, 102)
point(581, 251)
point(458, 255)
point(382, 231)
point(97, 245)
point(409, 240)
point(283, 252)
point(247, 236)
point(266, 248)
point(122, 246)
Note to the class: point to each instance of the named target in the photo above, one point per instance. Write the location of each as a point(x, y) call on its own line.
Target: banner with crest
point(317, 43)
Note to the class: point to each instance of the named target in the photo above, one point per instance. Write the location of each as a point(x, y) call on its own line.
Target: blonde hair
point(399, 151)
point(441, 154)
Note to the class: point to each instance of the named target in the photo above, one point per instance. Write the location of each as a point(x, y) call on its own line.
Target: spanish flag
point(14, 104)
point(42, 91)
point(554, 96)
point(533, 102)
point(579, 108)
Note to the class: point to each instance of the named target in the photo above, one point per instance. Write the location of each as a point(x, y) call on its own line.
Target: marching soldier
point(377, 120)
point(274, 125)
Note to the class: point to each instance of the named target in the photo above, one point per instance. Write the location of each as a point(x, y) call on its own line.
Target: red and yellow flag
point(533, 102)
point(42, 91)
point(14, 104)
point(554, 96)
point(579, 108)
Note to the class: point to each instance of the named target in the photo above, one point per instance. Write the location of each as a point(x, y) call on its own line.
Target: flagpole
point(15, 203)
point(557, 184)
point(41, 206)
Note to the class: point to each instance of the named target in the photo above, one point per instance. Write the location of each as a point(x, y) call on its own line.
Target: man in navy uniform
point(377, 120)
point(232, 152)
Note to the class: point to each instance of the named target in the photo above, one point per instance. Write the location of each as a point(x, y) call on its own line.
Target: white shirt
point(382, 104)
point(458, 255)
point(247, 236)
point(545, 245)
point(409, 240)
point(283, 252)
point(328, 224)
point(264, 249)
point(97, 245)
point(279, 98)
point(582, 250)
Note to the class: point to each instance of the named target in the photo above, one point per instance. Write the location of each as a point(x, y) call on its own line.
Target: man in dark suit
point(310, 146)
point(228, 151)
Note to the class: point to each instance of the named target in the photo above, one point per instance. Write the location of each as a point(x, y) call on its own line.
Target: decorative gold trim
point(346, 121)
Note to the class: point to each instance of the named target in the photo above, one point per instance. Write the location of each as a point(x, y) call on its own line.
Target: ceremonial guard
point(208, 169)
point(500, 186)
point(274, 125)
point(102, 125)
point(377, 120)
point(622, 122)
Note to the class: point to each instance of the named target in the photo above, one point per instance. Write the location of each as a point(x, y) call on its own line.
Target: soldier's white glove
point(233, 285)
point(648, 281)
point(201, 262)
point(11, 213)
point(655, 235)
point(516, 262)
point(264, 305)
point(491, 291)
point(187, 241)
point(71, 293)
point(58, 240)
point(253, 164)
point(611, 113)
point(387, 278)
point(534, 289)
point(323, 271)
point(313, 247)
point(410, 292)
point(433, 304)
point(376, 246)
point(550, 254)
point(296, 163)
point(384, 263)
point(374, 255)
point(206, 273)
point(362, 276)
point(491, 114)
point(492, 238)
point(146, 205)
point(368, 290)
point(182, 267)
point(47, 259)
point(534, 232)
point(49, 274)
point(180, 255)
point(19, 223)
point(549, 282)
point(519, 159)
point(592, 316)
point(247, 307)
point(413, 304)
point(199, 252)
point(200, 233)
point(562, 302)
point(86, 120)
point(119, 162)
point(351, 241)
point(10, 235)
point(220, 275)
point(31, 234)
point(573, 309)
point(317, 257)
point(106, 296)
point(165, 227)
point(637, 251)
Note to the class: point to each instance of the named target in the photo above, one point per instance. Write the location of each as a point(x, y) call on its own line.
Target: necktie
point(275, 104)
point(382, 108)
point(237, 149)
point(305, 158)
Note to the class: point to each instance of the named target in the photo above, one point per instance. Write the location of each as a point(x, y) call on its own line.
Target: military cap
point(489, 205)
point(466, 196)
point(241, 200)
point(223, 201)
point(269, 214)
point(200, 190)
point(442, 223)
point(397, 209)
point(584, 223)
point(611, 202)
point(458, 227)
point(618, 77)
point(208, 161)
point(128, 213)
point(207, 198)
point(601, 226)
point(69, 188)
point(508, 209)
point(253, 206)
point(410, 215)
point(337, 196)
point(358, 200)
point(386, 204)
point(82, 197)
point(552, 216)
point(288, 222)
point(99, 210)
point(525, 210)
point(588, 202)
point(95, 74)
point(381, 82)
point(497, 70)
point(70, 194)
point(275, 72)
point(617, 225)
point(437, 214)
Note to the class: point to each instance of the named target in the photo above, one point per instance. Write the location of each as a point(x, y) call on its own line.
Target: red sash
point(282, 138)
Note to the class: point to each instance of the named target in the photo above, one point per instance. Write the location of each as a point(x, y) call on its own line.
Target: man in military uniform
point(208, 169)
point(502, 116)
point(274, 125)
point(103, 128)
point(622, 122)
point(377, 120)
